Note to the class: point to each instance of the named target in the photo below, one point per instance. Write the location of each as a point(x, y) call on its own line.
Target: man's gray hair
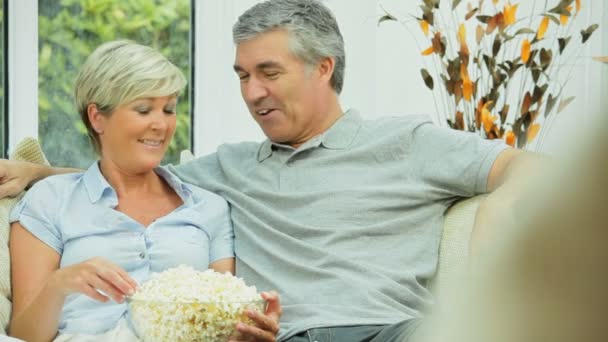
point(312, 28)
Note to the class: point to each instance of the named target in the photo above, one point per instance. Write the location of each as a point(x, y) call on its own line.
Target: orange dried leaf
point(532, 132)
point(462, 34)
point(487, 118)
point(526, 103)
point(464, 72)
point(467, 89)
point(510, 138)
point(525, 51)
point(495, 2)
point(578, 6)
point(467, 84)
point(427, 51)
point(496, 21)
point(564, 18)
point(542, 29)
point(479, 34)
point(459, 121)
point(509, 12)
point(478, 111)
point(424, 25)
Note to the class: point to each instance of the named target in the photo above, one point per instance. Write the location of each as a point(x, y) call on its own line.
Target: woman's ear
point(96, 118)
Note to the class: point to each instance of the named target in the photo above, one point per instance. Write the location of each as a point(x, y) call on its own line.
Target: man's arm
point(16, 176)
point(507, 180)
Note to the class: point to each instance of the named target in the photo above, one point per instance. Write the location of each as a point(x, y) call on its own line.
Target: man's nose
point(254, 90)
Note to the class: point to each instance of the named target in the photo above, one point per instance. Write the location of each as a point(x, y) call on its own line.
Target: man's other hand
point(15, 177)
point(267, 324)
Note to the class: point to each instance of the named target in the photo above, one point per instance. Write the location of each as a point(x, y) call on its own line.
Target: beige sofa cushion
point(454, 247)
point(26, 150)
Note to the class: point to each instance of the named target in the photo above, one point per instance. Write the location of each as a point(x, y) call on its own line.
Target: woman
point(81, 242)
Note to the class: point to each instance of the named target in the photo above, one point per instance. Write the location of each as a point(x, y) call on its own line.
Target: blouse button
point(142, 255)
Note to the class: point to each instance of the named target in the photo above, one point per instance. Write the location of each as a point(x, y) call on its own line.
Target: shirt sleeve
point(222, 238)
point(452, 162)
point(36, 213)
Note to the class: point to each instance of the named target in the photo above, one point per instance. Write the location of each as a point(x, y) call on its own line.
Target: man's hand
point(15, 177)
point(267, 324)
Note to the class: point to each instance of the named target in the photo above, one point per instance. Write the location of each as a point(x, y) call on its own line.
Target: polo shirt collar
point(99, 190)
point(339, 136)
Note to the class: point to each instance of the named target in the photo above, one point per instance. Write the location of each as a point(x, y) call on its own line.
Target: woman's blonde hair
point(119, 72)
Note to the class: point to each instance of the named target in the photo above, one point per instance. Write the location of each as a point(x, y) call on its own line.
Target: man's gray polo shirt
point(346, 227)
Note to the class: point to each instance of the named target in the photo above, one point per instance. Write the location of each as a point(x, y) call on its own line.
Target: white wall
point(382, 73)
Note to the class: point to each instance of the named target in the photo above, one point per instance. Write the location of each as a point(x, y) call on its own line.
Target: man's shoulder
point(394, 126)
point(238, 150)
point(397, 122)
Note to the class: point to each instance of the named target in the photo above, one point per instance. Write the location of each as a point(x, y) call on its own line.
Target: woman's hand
point(267, 324)
point(92, 276)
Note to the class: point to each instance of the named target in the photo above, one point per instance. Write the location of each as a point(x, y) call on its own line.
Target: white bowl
point(156, 321)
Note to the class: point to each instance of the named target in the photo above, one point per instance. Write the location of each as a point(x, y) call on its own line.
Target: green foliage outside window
point(69, 30)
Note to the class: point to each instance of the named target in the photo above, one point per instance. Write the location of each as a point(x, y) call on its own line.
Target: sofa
point(453, 252)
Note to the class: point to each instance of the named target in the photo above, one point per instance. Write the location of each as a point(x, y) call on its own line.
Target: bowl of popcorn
point(183, 304)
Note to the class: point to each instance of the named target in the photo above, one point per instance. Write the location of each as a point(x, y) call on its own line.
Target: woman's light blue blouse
point(74, 214)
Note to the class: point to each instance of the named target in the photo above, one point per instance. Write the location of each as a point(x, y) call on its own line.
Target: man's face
point(284, 96)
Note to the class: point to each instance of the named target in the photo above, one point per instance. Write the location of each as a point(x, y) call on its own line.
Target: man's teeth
point(151, 142)
point(264, 111)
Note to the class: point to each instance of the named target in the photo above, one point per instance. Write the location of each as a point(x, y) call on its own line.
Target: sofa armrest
point(26, 150)
point(454, 246)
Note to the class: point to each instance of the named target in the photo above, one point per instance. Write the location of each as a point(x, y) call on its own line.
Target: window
point(2, 82)
point(68, 31)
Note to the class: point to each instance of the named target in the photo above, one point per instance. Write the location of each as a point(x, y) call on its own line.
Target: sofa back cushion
point(26, 150)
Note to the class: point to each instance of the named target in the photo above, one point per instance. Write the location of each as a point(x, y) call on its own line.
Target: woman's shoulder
point(56, 184)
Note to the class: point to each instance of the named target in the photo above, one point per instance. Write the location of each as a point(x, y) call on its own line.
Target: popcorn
point(182, 304)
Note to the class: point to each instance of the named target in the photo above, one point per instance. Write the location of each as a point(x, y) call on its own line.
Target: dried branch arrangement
point(502, 81)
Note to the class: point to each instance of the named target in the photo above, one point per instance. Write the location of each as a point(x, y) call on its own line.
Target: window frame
point(22, 71)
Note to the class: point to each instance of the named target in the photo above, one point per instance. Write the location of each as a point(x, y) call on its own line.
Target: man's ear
point(325, 68)
point(96, 118)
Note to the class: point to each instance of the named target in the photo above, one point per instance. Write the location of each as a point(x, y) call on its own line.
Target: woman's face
point(136, 135)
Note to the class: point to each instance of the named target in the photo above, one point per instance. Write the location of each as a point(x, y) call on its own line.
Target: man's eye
point(272, 74)
point(243, 77)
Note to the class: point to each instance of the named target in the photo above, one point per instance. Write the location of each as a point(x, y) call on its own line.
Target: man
point(340, 215)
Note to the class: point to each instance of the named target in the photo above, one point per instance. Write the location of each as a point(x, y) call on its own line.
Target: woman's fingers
point(94, 294)
point(118, 280)
point(114, 275)
point(107, 288)
point(133, 284)
point(94, 276)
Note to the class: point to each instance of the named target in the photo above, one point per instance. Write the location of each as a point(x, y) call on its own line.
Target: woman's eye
point(142, 110)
